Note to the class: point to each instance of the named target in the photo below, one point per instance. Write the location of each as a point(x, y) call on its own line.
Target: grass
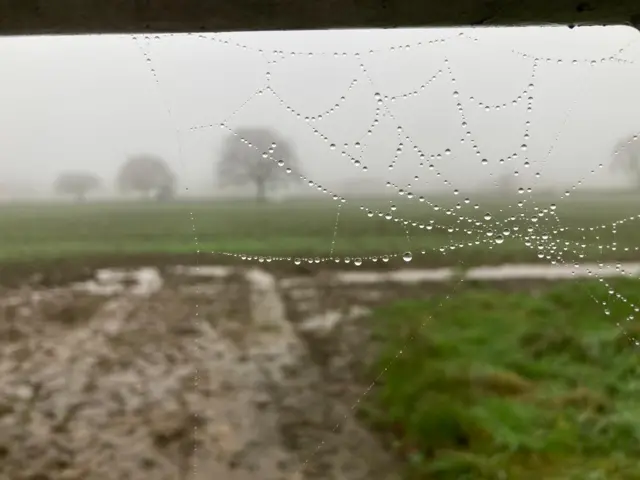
point(312, 228)
point(492, 385)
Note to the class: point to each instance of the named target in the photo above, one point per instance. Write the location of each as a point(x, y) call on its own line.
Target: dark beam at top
point(33, 17)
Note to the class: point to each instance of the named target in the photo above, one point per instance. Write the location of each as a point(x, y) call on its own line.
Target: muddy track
point(53, 272)
point(59, 271)
point(144, 376)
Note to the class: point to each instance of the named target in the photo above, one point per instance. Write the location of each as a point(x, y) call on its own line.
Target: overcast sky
point(85, 102)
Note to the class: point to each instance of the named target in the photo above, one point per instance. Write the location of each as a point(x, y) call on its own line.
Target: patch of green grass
point(304, 227)
point(493, 385)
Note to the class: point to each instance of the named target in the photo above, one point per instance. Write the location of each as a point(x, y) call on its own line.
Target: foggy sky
point(86, 102)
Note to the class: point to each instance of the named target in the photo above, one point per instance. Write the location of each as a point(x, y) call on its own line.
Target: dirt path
point(52, 272)
point(135, 377)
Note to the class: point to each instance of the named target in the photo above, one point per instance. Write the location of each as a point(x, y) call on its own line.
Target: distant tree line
point(260, 158)
point(146, 174)
point(256, 157)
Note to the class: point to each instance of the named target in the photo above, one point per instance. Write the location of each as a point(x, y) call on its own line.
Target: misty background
point(86, 103)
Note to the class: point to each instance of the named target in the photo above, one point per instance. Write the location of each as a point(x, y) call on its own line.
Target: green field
point(492, 385)
point(311, 228)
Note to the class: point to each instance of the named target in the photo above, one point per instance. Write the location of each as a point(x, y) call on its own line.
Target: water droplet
point(499, 239)
point(297, 261)
point(357, 262)
point(407, 257)
point(487, 216)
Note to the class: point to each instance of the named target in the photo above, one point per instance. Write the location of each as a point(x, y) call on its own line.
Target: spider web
point(393, 135)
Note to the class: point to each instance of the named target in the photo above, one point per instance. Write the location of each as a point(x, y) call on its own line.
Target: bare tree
point(76, 184)
point(626, 158)
point(148, 175)
point(260, 158)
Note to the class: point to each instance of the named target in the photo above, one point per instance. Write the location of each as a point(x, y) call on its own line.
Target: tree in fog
point(626, 158)
point(76, 184)
point(148, 175)
point(506, 183)
point(260, 158)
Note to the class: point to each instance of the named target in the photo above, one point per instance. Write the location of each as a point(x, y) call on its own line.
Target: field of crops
point(456, 233)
